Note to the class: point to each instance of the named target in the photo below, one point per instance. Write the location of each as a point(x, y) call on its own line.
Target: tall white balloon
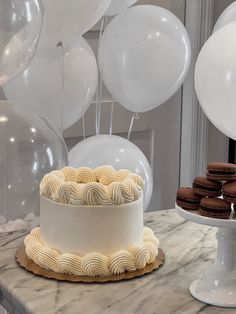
point(115, 151)
point(20, 27)
point(64, 19)
point(117, 6)
point(144, 57)
point(215, 79)
point(40, 91)
point(228, 16)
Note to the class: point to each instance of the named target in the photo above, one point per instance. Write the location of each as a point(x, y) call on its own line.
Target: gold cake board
point(29, 265)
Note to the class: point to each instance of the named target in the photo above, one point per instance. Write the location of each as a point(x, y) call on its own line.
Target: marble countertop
point(189, 249)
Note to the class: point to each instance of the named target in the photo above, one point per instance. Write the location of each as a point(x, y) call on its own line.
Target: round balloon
point(64, 19)
point(144, 57)
point(117, 6)
point(30, 148)
point(228, 16)
point(20, 26)
point(39, 87)
point(116, 151)
point(215, 79)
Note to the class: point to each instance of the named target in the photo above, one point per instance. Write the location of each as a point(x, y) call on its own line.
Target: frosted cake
point(91, 223)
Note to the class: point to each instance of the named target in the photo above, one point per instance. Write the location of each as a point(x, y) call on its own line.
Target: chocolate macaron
point(229, 191)
point(205, 187)
point(188, 199)
point(215, 208)
point(221, 171)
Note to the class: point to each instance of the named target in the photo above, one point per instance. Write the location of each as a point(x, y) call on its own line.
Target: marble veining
point(189, 249)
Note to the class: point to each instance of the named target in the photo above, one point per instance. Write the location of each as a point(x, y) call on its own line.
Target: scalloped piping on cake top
point(85, 186)
point(93, 264)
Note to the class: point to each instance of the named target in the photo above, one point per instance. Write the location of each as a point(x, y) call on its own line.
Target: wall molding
point(199, 16)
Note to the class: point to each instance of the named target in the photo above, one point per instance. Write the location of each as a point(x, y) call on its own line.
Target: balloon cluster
point(144, 56)
point(29, 146)
point(215, 74)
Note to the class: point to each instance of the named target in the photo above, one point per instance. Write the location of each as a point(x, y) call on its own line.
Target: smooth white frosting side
point(92, 264)
point(86, 229)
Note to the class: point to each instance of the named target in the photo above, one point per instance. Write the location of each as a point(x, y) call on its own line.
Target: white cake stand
point(218, 285)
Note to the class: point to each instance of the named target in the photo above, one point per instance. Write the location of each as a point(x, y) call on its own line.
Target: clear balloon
point(40, 87)
point(115, 151)
point(20, 27)
point(30, 148)
point(64, 19)
point(228, 16)
point(215, 79)
point(144, 57)
point(117, 6)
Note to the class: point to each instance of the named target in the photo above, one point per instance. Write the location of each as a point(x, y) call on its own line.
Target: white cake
point(91, 223)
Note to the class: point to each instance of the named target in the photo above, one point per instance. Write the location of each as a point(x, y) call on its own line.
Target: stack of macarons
point(214, 194)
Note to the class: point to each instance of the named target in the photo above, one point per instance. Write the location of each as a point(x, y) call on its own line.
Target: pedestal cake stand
point(218, 285)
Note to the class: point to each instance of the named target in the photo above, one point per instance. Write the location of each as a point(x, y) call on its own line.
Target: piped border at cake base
point(26, 263)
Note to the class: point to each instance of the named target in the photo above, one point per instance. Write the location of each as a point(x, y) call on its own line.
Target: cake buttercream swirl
point(105, 174)
point(120, 193)
point(85, 186)
point(137, 179)
point(85, 175)
point(50, 185)
point(96, 194)
point(48, 258)
point(93, 264)
point(70, 264)
point(134, 189)
point(121, 175)
point(70, 193)
point(141, 256)
point(70, 174)
point(122, 261)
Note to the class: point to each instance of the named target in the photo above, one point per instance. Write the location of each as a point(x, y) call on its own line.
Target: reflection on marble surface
point(189, 248)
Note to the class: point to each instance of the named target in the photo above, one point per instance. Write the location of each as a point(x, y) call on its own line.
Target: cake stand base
point(217, 297)
point(218, 285)
point(30, 266)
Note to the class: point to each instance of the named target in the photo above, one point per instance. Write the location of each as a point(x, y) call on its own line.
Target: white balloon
point(116, 151)
point(144, 57)
point(118, 6)
point(39, 88)
point(20, 27)
point(215, 79)
point(228, 16)
point(66, 18)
